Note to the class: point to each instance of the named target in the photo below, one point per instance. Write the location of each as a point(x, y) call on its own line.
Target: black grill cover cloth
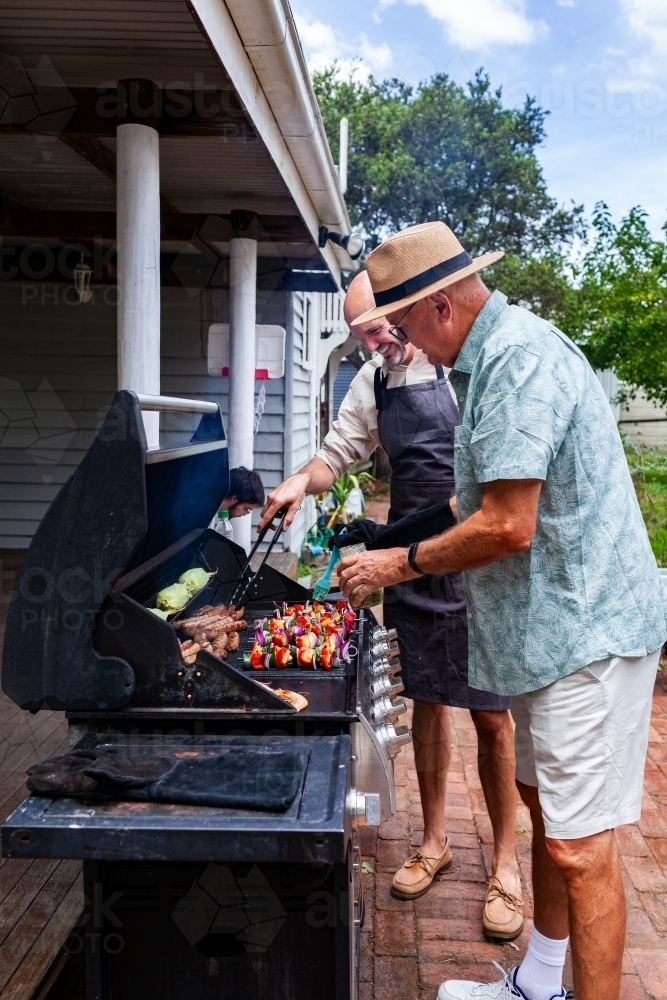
point(415, 527)
point(233, 778)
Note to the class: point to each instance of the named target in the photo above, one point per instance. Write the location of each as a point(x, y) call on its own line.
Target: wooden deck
point(40, 900)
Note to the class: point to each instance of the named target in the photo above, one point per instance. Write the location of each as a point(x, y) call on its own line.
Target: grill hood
point(121, 506)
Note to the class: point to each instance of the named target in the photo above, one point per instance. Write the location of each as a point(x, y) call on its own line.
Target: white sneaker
point(503, 989)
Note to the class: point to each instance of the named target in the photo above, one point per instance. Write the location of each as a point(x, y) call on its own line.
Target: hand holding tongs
point(242, 585)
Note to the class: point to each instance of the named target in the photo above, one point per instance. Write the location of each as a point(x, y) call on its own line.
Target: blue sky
point(599, 67)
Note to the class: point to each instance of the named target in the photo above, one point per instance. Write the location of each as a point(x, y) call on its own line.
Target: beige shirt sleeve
point(354, 435)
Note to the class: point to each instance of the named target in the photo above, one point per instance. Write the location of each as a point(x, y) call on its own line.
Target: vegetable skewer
point(312, 636)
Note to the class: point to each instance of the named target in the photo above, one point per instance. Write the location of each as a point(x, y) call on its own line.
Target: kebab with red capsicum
point(310, 636)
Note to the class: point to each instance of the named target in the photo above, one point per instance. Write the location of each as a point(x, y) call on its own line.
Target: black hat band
point(422, 280)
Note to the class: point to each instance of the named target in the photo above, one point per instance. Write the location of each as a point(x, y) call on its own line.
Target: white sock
point(540, 975)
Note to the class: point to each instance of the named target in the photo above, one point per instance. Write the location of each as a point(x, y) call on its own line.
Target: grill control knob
point(364, 807)
point(382, 666)
point(385, 685)
point(383, 648)
point(399, 736)
point(383, 709)
point(398, 707)
point(388, 634)
point(392, 737)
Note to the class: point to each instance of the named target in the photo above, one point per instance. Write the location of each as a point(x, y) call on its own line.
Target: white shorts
point(582, 743)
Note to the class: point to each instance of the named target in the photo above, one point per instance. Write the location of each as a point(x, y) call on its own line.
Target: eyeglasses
point(398, 331)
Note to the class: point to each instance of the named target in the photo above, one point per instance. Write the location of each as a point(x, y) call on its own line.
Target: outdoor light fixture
point(82, 274)
point(354, 243)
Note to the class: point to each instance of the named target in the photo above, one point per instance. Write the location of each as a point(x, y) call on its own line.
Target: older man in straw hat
point(564, 597)
point(407, 405)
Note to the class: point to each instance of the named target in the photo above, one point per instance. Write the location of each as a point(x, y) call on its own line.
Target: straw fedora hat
point(415, 263)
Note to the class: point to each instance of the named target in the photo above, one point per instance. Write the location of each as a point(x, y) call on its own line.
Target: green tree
point(543, 283)
point(621, 314)
point(441, 151)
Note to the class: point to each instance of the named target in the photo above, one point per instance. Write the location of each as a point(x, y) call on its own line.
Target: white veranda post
point(242, 316)
point(138, 239)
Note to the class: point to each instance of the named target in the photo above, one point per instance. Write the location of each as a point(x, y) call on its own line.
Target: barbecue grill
point(189, 900)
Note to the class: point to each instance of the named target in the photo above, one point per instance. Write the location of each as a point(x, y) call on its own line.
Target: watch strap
point(412, 559)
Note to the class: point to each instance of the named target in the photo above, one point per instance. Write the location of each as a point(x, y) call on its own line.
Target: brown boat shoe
point(415, 877)
point(503, 911)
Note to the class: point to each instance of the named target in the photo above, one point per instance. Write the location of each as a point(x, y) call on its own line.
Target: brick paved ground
point(409, 948)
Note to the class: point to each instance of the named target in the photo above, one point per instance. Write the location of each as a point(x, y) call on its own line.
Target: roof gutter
point(258, 45)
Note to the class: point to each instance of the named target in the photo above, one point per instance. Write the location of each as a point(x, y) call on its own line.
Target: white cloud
point(481, 24)
point(566, 3)
point(377, 56)
point(324, 44)
point(649, 97)
point(644, 75)
point(648, 20)
point(618, 85)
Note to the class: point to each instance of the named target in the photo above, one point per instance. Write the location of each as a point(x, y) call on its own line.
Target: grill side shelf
point(318, 832)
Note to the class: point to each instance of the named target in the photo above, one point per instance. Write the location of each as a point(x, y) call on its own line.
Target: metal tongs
point(243, 583)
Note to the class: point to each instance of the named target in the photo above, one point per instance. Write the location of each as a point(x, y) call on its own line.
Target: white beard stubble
point(398, 357)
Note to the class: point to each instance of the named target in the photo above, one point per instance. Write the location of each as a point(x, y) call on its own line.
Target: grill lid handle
point(175, 404)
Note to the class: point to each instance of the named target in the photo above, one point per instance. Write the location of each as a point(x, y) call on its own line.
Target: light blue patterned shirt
point(588, 587)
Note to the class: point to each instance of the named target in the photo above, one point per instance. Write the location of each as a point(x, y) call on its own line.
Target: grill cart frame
point(173, 905)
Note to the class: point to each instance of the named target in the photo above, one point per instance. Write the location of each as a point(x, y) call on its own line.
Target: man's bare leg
point(496, 764)
point(577, 883)
point(549, 889)
point(432, 739)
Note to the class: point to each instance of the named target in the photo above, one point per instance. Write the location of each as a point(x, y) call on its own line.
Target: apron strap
point(379, 384)
point(440, 371)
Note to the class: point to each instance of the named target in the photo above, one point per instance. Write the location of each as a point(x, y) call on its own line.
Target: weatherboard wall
point(58, 376)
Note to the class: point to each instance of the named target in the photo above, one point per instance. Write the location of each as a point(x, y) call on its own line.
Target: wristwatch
point(412, 559)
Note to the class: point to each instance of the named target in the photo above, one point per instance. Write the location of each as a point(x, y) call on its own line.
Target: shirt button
point(469, 615)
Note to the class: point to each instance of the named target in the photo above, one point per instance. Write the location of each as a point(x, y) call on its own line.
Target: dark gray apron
point(416, 429)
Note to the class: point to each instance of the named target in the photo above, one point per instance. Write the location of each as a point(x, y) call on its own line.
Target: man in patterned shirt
point(565, 602)
point(407, 405)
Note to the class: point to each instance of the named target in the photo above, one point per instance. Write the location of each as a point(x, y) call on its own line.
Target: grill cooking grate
point(248, 638)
